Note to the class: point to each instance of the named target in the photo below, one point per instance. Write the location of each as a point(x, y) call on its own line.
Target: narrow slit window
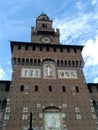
point(50, 88)
point(22, 88)
point(63, 88)
point(36, 88)
point(77, 89)
point(57, 62)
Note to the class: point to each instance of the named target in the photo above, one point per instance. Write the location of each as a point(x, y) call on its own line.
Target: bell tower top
point(44, 23)
point(43, 32)
point(43, 17)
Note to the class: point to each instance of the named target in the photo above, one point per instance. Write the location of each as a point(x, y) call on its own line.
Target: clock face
point(45, 39)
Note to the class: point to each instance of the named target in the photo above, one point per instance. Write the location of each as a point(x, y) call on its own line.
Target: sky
point(76, 19)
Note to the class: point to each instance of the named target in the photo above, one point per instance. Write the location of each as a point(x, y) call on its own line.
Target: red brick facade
point(48, 81)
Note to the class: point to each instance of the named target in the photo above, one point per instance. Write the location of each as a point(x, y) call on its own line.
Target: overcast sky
point(76, 19)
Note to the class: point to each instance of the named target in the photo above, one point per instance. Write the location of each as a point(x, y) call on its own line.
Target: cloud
point(82, 29)
point(2, 73)
point(95, 80)
point(79, 5)
point(63, 6)
point(5, 72)
point(78, 26)
point(94, 2)
point(77, 30)
point(90, 56)
point(91, 73)
point(90, 52)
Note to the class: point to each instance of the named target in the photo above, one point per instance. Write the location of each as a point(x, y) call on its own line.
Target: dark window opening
point(19, 47)
point(77, 89)
point(14, 61)
point(39, 62)
point(94, 103)
point(97, 88)
point(26, 47)
point(61, 49)
point(40, 48)
point(0, 104)
point(7, 88)
point(31, 62)
point(90, 90)
point(80, 64)
point(44, 25)
point(22, 88)
point(36, 88)
point(35, 62)
point(4, 104)
point(76, 63)
point(69, 63)
point(75, 50)
point(65, 63)
point(73, 64)
point(57, 62)
point(50, 88)
point(27, 61)
point(18, 60)
point(23, 61)
point(63, 88)
point(61, 63)
point(43, 18)
point(47, 48)
point(68, 50)
point(54, 49)
point(33, 48)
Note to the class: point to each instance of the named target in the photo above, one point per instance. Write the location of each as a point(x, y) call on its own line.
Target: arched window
point(63, 88)
point(50, 88)
point(31, 62)
point(61, 63)
point(27, 61)
point(65, 63)
point(23, 61)
point(69, 63)
point(22, 88)
point(73, 63)
point(36, 88)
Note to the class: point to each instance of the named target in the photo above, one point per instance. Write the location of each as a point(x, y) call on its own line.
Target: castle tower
point(48, 81)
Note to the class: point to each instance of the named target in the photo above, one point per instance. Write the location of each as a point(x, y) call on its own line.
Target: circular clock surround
point(46, 39)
